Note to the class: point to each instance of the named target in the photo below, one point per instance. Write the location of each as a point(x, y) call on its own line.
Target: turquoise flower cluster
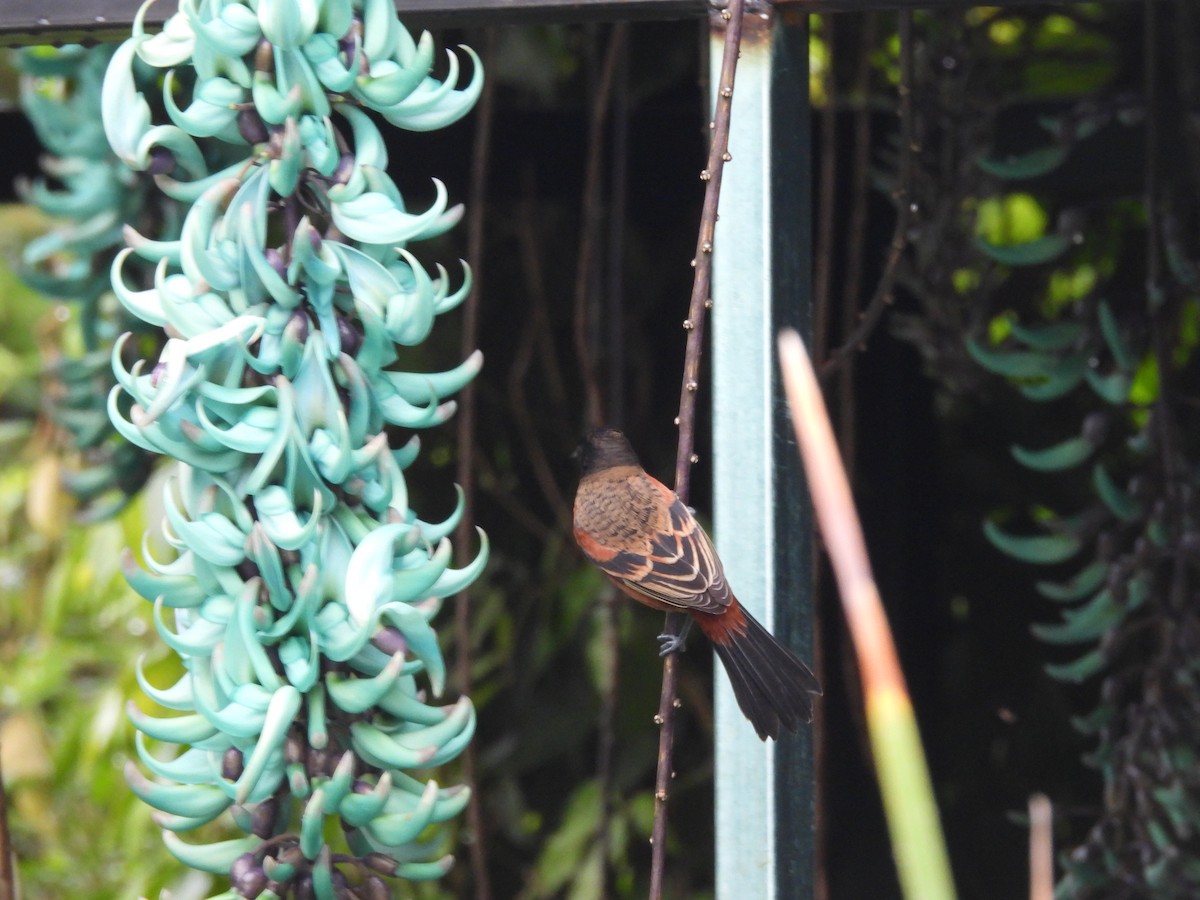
point(302, 586)
point(90, 194)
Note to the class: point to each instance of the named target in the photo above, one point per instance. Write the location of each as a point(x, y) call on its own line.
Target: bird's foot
point(671, 643)
point(674, 643)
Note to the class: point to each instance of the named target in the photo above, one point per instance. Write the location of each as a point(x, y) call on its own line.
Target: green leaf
point(1048, 548)
point(1065, 377)
point(1112, 388)
point(1086, 581)
point(1078, 670)
point(1084, 623)
point(1012, 363)
point(1145, 387)
point(1156, 872)
point(1026, 165)
point(1095, 720)
point(1055, 458)
point(1051, 336)
point(586, 879)
point(601, 650)
point(1177, 803)
point(1119, 503)
point(1121, 353)
point(564, 851)
point(1031, 253)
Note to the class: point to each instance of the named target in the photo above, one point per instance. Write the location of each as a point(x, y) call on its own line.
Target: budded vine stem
point(882, 297)
point(718, 155)
point(481, 154)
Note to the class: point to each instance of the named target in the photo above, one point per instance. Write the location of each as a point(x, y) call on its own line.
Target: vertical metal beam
point(762, 277)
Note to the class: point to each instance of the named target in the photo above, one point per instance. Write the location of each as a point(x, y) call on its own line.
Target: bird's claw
point(672, 643)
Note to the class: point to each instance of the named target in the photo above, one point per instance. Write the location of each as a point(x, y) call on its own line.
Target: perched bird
point(636, 531)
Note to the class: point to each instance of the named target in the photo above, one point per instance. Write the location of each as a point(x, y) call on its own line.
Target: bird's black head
point(604, 448)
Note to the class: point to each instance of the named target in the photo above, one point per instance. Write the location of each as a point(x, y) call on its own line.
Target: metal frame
point(59, 21)
point(762, 267)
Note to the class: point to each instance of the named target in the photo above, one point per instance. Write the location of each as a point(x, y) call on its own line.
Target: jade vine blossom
point(302, 587)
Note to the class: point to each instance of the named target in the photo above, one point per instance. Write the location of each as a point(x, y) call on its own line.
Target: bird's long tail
point(772, 686)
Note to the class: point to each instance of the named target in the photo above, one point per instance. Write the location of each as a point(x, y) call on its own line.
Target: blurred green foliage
point(71, 631)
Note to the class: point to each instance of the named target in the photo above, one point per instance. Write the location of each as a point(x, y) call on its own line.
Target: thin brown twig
point(856, 237)
point(590, 218)
point(700, 301)
point(480, 159)
point(614, 299)
point(504, 496)
point(827, 197)
point(882, 296)
point(1155, 288)
point(518, 406)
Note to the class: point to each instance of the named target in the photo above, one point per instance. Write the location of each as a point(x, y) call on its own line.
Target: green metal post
point(762, 268)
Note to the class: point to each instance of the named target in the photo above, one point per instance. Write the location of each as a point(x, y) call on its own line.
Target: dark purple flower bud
point(374, 888)
point(262, 823)
point(243, 864)
point(390, 641)
point(251, 126)
point(304, 889)
point(264, 57)
point(162, 161)
point(297, 327)
point(232, 764)
point(351, 338)
point(381, 863)
point(246, 877)
point(344, 168)
point(275, 258)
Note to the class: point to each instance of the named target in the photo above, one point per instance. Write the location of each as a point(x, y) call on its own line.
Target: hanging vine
point(93, 194)
point(1088, 309)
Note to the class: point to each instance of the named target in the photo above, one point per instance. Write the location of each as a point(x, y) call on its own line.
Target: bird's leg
point(674, 638)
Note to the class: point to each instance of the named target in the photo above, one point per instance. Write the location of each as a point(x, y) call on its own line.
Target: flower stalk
point(300, 587)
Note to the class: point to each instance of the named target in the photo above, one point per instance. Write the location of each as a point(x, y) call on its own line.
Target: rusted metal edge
point(48, 21)
point(89, 21)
